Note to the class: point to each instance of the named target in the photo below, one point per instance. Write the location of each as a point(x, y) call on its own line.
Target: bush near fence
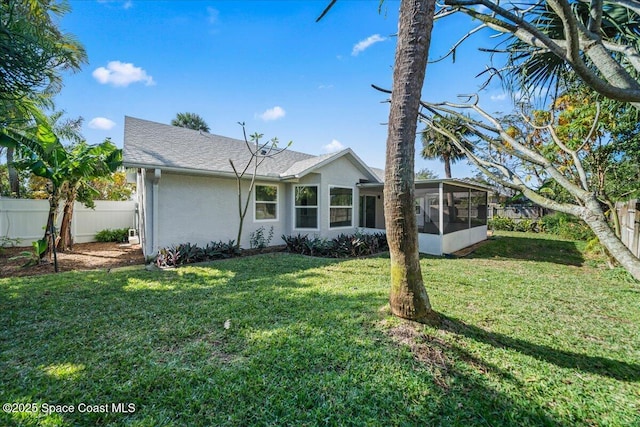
point(561, 224)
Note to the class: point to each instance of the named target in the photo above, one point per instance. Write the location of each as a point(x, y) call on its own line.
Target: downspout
point(441, 215)
point(469, 209)
point(154, 216)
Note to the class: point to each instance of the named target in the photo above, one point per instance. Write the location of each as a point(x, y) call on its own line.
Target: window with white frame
point(266, 203)
point(340, 207)
point(306, 206)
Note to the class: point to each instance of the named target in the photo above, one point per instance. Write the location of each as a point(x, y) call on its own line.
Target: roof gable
point(307, 166)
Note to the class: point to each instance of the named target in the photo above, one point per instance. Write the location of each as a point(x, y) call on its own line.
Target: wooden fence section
point(629, 215)
point(25, 219)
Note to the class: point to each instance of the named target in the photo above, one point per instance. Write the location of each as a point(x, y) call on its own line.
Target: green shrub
point(566, 226)
point(343, 246)
point(119, 235)
point(188, 253)
point(500, 223)
point(258, 240)
point(527, 226)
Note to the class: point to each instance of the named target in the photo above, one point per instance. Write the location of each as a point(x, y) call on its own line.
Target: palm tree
point(532, 69)
point(34, 49)
point(190, 121)
point(436, 145)
point(408, 297)
point(35, 53)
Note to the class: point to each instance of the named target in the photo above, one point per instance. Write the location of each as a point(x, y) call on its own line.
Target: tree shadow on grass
point(565, 359)
point(293, 353)
point(530, 249)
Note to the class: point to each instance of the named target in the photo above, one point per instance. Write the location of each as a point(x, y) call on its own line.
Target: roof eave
point(201, 172)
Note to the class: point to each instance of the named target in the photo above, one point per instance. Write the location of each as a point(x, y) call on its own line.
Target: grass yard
point(533, 333)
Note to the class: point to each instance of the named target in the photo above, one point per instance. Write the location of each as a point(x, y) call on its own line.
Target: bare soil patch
point(84, 256)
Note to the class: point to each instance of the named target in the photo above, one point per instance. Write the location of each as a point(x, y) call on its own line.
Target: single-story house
point(187, 192)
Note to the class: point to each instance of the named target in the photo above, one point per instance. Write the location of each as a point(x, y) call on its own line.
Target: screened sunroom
point(451, 214)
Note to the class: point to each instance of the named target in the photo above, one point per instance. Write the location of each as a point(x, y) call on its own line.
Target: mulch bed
point(84, 256)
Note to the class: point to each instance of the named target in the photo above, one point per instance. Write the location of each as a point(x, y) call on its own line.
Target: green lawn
point(533, 333)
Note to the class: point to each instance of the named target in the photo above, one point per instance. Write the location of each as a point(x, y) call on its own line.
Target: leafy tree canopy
point(34, 50)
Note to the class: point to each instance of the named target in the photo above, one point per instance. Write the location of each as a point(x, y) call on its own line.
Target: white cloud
point(212, 15)
point(122, 74)
point(101, 123)
point(366, 43)
point(274, 113)
point(322, 87)
point(498, 97)
point(333, 146)
point(126, 4)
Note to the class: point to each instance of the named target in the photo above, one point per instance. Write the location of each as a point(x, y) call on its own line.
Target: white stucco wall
point(201, 209)
point(340, 173)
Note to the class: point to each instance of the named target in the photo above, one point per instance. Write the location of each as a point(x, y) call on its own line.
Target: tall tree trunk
point(54, 202)
point(451, 209)
point(408, 297)
point(14, 179)
point(447, 166)
point(66, 240)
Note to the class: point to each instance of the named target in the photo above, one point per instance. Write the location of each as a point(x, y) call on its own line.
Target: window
point(340, 207)
point(266, 203)
point(306, 206)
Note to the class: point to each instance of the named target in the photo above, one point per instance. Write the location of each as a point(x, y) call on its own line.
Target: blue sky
point(265, 63)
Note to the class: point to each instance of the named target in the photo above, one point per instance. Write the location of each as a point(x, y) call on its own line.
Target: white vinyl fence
point(25, 219)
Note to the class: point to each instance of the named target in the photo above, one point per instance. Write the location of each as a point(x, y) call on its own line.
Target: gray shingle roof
point(304, 165)
point(149, 144)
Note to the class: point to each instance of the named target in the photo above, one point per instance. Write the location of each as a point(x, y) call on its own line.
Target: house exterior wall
point(200, 209)
point(340, 173)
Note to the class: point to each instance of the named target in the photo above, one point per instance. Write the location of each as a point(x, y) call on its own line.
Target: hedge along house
point(187, 192)
point(451, 214)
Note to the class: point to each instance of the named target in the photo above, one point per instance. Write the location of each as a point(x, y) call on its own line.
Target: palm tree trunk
point(66, 240)
point(54, 202)
point(447, 166)
point(408, 297)
point(14, 179)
